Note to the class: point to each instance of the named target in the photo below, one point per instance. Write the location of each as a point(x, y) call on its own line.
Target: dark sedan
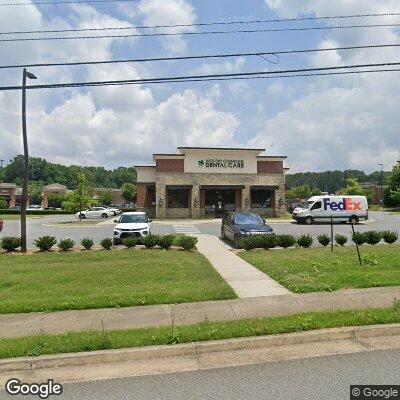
point(237, 225)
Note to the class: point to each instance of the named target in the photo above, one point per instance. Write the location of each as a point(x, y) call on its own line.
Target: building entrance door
point(219, 201)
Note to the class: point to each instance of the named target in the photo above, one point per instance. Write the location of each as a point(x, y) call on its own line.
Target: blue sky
point(320, 123)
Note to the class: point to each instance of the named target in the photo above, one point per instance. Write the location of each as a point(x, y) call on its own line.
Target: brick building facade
point(198, 182)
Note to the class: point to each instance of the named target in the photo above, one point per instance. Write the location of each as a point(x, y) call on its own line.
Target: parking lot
point(51, 225)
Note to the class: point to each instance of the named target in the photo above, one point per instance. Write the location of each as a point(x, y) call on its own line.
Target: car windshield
point(136, 219)
point(246, 219)
point(307, 205)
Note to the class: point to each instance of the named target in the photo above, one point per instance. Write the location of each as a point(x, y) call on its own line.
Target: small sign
point(220, 163)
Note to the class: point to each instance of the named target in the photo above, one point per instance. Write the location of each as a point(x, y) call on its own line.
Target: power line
point(47, 3)
point(313, 28)
point(206, 56)
point(193, 78)
point(243, 22)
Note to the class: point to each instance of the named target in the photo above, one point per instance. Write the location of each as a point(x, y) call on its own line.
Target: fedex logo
point(344, 205)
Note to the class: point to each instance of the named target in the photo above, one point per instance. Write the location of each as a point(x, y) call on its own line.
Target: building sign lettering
point(221, 163)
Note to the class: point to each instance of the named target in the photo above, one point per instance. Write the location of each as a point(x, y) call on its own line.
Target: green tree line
point(42, 172)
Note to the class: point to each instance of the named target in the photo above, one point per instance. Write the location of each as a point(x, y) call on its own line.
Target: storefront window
point(178, 198)
point(261, 198)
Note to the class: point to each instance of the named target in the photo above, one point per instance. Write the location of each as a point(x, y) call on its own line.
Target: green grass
point(12, 217)
point(79, 223)
point(98, 279)
point(317, 269)
point(98, 340)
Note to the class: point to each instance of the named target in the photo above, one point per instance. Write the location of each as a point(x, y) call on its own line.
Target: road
point(39, 227)
point(319, 378)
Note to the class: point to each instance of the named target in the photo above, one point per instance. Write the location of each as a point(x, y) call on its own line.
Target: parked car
point(115, 210)
point(237, 225)
point(95, 212)
point(34, 207)
point(339, 208)
point(131, 224)
point(1, 225)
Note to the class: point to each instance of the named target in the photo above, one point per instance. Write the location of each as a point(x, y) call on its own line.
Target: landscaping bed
point(168, 335)
point(317, 269)
point(51, 281)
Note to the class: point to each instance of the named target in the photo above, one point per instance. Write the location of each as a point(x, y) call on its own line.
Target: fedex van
point(340, 208)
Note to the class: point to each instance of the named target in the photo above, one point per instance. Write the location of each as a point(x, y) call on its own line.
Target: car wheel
point(223, 236)
point(104, 215)
point(353, 220)
point(309, 220)
point(82, 216)
point(236, 242)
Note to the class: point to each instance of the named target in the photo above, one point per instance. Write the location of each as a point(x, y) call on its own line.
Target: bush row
point(34, 212)
point(273, 240)
point(46, 243)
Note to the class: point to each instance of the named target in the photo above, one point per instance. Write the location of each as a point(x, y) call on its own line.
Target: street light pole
point(25, 75)
point(1, 171)
point(381, 200)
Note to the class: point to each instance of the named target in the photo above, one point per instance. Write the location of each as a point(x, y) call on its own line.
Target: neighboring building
point(53, 188)
point(9, 192)
point(376, 190)
point(198, 182)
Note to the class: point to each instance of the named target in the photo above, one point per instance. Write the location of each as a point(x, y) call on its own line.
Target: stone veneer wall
point(247, 180)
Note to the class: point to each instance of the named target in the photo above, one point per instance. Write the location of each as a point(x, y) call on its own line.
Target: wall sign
point(220, 163)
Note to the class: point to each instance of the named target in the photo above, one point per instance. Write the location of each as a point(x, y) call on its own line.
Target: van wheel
point(353, 220)
point(309, 220)
point(104, 215)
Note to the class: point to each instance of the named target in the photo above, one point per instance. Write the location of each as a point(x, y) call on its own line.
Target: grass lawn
point(97, 279)
point(79, 223)
point(12, 217)
point(97, 340)
point(317, 269)
point(284, 217)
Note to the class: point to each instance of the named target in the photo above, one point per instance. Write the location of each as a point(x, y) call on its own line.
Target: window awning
point(179, 186)
point(222, 187)
point(263, 187)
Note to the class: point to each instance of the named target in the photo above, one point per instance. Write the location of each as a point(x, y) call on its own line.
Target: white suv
point(131, 224)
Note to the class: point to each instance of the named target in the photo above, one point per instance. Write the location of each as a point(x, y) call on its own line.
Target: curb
point(196, 348)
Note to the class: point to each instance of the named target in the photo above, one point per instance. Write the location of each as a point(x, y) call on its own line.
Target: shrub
point(305, 240)
point(45, 243)
point(358, 238)
point(10, 243)
point(87, 243)
point(151, 240)
point(106, 243)
point(177, 238)
point(373, 237)
point(66, 244)
point(340, 239)
point(130, 242)
point(250, 242)
point(187, 242)
point(389, 236)
point(268, 241)
point(286, 241)
point(166, 241)
point(324, 240)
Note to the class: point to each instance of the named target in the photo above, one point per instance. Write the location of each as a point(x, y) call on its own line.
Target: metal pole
point(331, 234)
point(1, 171)
point(381, 201)
point(25, 167)
point(358, 250)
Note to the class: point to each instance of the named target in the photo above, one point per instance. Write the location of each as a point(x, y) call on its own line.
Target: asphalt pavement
point(318, 378)
point(39, 227)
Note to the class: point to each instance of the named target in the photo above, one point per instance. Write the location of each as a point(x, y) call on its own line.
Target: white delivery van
point(340, 208)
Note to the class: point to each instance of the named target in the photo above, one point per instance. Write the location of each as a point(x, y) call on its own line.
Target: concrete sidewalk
point(243, 278)
point(17, 325)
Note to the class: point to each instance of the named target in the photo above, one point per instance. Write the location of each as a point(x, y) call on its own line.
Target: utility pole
point(381, 200)
point(1, 171)
point(29, 75)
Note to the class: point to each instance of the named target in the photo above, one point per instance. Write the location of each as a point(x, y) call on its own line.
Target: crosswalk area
point(187, 229)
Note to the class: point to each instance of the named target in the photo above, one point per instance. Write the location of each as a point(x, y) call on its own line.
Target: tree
point(299, 192)
point(35, 190)
point(129, 192)
point(353, 188)
point(56, 199)
point(106, 198)
point(3, 203)
point(393, 190)
point(81, 198)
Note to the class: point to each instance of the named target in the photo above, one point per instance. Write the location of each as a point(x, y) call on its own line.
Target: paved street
point(38, 227)
point(322, 378)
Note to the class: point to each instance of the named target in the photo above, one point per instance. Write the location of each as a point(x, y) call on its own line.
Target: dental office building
point(200, 182)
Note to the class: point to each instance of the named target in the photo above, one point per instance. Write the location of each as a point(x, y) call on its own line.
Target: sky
point(320, 123)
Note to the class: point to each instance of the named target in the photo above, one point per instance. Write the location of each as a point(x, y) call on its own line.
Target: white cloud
point(169, 12)
point(227, 67)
